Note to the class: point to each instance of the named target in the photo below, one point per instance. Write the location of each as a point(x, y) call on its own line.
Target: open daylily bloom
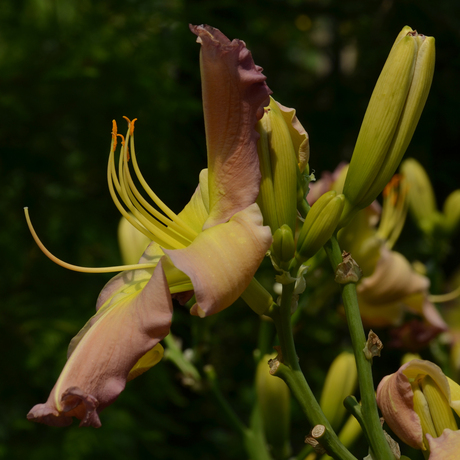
point(416, 403)
point(213, 247)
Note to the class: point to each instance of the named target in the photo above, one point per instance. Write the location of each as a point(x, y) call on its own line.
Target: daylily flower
point(213, 247)
point(416, 403)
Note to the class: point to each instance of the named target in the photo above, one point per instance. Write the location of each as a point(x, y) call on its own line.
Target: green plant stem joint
point(370, 416)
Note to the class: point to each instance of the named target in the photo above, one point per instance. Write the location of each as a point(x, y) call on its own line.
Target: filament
point(78, 268)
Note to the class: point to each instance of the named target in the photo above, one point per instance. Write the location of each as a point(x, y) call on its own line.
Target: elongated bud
point(283, 151)
point(451, 210)
point(341, 381)
point(390, 120)
point(319, 225)
point(283, 247)
point(273, 397)
point(420, 194)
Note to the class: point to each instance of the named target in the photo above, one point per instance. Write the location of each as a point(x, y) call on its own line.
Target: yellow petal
point(222, 260)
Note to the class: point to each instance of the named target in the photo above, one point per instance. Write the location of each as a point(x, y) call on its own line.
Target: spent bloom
point(417, 403)
point(212, 248)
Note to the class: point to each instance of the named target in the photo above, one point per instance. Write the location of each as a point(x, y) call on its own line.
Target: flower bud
point(319, 225)
point(451, 210)
point(283, 151)
point(390, 120)
point(283, 247)
point(420, 194)
point(341, 381)
point(275, 408)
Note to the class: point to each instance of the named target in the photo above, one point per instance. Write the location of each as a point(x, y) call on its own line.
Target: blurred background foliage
point(68, 67)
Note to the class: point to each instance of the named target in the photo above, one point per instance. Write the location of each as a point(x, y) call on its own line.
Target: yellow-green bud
point(273, 397)
point(283, 247)
point(283, 151)
point(451, 210)
point(390, 120)
point(341, 381)
point(420, 194)
point(319, 225)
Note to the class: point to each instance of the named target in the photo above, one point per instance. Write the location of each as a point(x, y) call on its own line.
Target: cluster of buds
point(283, 154)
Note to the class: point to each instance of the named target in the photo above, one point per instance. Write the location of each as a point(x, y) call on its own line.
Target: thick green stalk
point(379, 445)
point(289, 370)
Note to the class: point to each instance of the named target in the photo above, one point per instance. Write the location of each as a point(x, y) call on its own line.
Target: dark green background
point(67, 68)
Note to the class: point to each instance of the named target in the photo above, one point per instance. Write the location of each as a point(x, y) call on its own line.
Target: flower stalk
point(369, 410)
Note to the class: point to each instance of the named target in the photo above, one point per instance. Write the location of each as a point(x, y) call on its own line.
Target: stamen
point(182, 227)
point(78, 268)
point(445, 297)
point(141, 222)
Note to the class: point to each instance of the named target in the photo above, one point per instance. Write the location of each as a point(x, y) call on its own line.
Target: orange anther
point(130, 124)
point(114, 134)
point(131, 130)
point(122, 139)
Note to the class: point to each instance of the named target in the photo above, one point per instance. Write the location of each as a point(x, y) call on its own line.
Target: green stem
point(366, 384)
point(174, 354)
point(289, 370)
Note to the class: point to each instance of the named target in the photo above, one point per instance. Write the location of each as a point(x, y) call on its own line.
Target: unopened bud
point(420, 194)
point(283, 153)
point(341, 381)
point(283, 247)
point(273, 397)
point(390, 120)
point(320, 224)
point(451, 210)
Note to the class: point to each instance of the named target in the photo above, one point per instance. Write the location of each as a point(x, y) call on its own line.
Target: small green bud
point(320, 224)
point(283, 153)
point(390, 120)
point(451, 210)
point(283, 247)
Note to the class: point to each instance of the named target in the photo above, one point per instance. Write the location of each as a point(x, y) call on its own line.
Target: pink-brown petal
point(127, 326)
point(446, 447)
point(223, 259)
point(234, 94)
point(395, 400)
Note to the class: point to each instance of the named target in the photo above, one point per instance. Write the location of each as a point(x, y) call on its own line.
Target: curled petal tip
point(230, 120)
